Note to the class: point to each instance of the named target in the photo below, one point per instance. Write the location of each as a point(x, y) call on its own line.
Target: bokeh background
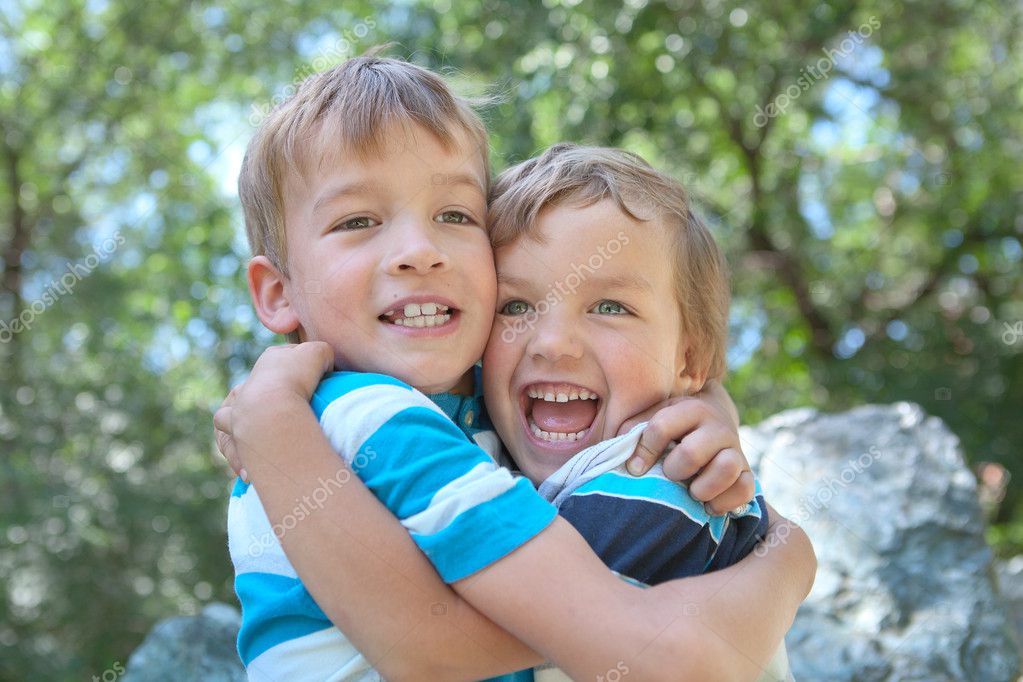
point(861, 161)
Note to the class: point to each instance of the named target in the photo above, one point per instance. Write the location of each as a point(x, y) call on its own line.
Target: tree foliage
point(862, 163)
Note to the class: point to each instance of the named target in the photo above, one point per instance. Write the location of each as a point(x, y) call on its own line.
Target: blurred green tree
point(862, 163)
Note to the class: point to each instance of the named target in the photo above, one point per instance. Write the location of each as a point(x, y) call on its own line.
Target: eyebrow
point(632, 282)
point(359, 188)
point(337, 191)
point(458, 179)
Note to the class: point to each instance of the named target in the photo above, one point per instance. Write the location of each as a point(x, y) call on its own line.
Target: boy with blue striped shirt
point(392, 270)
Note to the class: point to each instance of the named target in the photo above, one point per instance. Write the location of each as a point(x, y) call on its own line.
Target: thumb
point(642, 459)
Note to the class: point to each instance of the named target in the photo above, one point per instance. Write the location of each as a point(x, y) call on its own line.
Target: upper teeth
point(563, 396)
point(419, 315)
point(417, 309)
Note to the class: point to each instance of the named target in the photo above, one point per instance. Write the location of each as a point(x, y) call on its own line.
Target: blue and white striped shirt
point(462, 509)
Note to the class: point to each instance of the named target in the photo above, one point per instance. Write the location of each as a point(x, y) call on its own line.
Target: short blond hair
point(570, 173)
point(347, 109)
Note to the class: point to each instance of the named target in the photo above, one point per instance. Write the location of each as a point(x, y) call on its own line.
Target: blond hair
point(348, 109)
point(586, 175)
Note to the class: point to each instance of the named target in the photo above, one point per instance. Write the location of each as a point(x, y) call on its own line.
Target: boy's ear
point(690, 379)
point(266, 286)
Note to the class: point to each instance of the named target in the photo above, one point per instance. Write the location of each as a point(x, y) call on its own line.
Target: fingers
point(317, 357)
point(222, 418)
point(325, 353)
point(718, 476)
point(225, 440)
point(630, 424)
point(738, 495)
point(295, 368)
point(665, 426)
point(648, 414)
point(701, 447)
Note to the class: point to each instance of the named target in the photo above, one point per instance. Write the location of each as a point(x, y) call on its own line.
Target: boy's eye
point(516, 307)
point(359, 223)
point(609, 308)
point(456, 217)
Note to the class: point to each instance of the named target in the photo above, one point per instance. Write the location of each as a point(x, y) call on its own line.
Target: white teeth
point(422, 321)
point(413, 310)
point(538, 393)
point(554, 436)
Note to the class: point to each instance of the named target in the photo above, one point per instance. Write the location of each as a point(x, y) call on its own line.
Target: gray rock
point(905, 587)
point(1010, 585)
point(198, 647)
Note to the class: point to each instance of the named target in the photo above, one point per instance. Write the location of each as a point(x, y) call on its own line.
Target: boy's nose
point(416, 251)
point(554, 339)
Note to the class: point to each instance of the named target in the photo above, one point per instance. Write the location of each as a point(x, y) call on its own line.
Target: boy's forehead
point(606, 249)
point(454, 161)
point(637, 215)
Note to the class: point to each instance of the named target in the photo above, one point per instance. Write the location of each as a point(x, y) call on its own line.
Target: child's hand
point(708, 448)
point(281, 374)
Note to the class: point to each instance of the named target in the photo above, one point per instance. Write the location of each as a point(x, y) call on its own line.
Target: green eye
point(515, 308)
point(360, 223)
point(456, 217)
point(609, 308)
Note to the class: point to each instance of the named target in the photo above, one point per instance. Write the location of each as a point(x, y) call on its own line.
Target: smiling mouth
point(560, 412)
point(419, 315)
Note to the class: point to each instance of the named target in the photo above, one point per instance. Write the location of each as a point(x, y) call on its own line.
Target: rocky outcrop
point(1010, 587)
point(905, 587)
point(197, 648)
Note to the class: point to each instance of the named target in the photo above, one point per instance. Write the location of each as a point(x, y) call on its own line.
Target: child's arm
point(377, 587)
point(539, 590)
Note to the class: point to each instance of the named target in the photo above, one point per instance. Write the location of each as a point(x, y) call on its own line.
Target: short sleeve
point(462, 509)
point(650, 529)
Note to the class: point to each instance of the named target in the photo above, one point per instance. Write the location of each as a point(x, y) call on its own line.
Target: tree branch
point(788, 268)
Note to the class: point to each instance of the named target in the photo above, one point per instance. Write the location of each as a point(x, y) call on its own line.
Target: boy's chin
point(449, 382)
point(540, 471)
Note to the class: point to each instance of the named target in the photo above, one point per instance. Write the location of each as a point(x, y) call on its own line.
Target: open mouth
point(559, 412)
point(419, 315)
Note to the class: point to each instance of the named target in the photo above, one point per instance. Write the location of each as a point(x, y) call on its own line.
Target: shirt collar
point(468, 411)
